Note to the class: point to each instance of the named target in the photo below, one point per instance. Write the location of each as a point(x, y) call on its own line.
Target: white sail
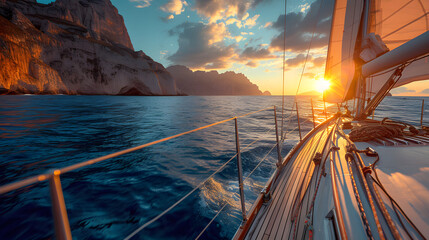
point(394, 21)
point(340, 67)
point(397, 22)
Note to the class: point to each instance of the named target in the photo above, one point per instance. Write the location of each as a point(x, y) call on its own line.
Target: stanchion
point(312, 112)
point(59, 211)
point(299, 125)
point(279, 155)
point(423, 109)
point(240, 172)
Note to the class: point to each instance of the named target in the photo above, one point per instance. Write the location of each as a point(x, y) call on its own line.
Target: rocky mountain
point(213, 83)
point(73, 47)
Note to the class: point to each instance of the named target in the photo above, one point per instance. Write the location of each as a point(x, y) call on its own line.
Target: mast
point(361, 81)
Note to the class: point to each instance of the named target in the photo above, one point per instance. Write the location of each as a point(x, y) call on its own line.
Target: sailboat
point(353, 177)
point(350, 177)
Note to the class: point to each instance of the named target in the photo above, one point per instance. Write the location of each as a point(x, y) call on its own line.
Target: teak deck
point(295, 184)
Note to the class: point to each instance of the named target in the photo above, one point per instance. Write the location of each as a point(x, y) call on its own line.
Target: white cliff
point(73, 47)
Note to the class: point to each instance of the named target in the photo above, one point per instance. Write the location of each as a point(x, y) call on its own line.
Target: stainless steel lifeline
point(59, 210)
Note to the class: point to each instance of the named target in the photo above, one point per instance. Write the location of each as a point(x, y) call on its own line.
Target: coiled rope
point(374, 129)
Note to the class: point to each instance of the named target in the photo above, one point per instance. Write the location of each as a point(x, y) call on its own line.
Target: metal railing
point(59, 211)
point(422, 113)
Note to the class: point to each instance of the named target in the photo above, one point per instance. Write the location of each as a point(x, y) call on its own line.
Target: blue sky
point(232, 35)
point(244, 36)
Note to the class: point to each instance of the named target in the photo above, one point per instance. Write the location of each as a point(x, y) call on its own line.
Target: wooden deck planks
point(274, 219)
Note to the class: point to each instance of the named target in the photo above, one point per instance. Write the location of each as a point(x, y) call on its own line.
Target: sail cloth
point(340, 67)
point(397, 22)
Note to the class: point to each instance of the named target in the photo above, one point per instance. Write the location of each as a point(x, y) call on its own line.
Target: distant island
point(311, 93)
point(213, 83)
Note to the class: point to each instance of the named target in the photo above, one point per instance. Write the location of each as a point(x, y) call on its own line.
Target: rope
point(394, 204)
point(372, 131)
point(349, 156)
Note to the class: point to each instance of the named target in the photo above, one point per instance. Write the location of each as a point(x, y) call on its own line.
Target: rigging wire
point(193, 190)
point(283, 136)
point(284, 68)
point(217, 214)
point(309, 48)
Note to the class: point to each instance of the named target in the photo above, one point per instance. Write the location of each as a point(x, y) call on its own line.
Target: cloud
point(304, 7)
point(309, 75)
point(141, 3)
point(201, 46)
point(297, 60)
point(257, 2)
point(216, 10)
point(425, 91)
point(256, 53)
point(239, 38)
point(300, 27)
point(268, 24)
point(251, 22)
point(400, 90)
point(174, 6)
point(319, 61)
point(252, 64)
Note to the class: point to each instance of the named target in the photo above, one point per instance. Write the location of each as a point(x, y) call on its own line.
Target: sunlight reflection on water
point(111, 199)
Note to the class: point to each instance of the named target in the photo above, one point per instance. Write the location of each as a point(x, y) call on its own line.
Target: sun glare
point(322, 85)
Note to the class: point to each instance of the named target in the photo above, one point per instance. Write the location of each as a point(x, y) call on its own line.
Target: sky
point(243, 36)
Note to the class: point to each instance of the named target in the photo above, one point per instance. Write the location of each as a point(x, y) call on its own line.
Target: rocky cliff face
point(213, 83)
point(73, 47)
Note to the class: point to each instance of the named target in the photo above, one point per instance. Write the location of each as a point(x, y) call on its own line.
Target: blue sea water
point(110, 199)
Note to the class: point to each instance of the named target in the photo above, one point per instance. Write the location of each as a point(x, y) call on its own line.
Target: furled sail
point(340, 66)
point(397, 22)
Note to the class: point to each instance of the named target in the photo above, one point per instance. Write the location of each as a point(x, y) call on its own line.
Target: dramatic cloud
point(222, 9)
point(425, 91)
point(256, 53)
point(250, 22)
point(174, 6)
point(400, 90)
point(142, 3)
point(202, 46)
point(300, 27)
point(298, 60)
point(319, 61)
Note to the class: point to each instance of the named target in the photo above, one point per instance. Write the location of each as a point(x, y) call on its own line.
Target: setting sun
point(321, 85)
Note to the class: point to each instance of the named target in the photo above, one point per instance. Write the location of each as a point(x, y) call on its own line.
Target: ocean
point(111, 199)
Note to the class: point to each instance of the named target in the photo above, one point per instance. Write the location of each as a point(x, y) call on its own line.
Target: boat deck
point(404, 172)
point(292, 189)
